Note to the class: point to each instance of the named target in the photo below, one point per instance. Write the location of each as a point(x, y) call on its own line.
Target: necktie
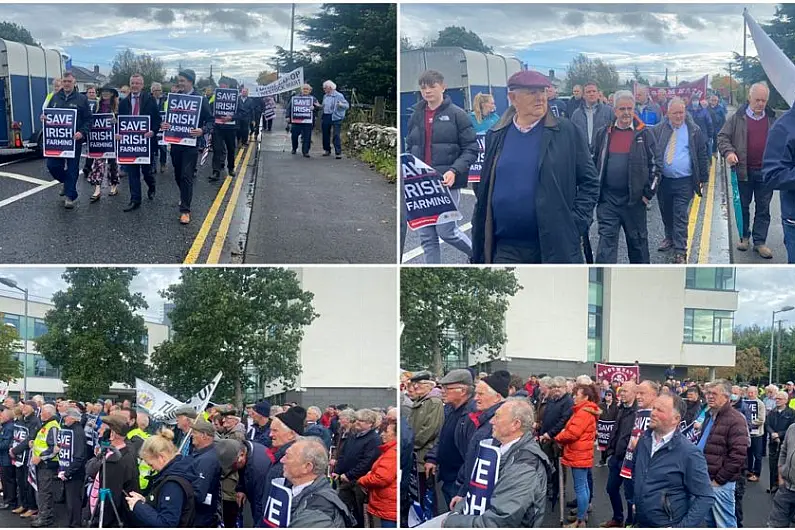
point(669, 154)
point(135, 105)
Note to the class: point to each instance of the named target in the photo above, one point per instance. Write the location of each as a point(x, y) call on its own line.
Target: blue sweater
point(515, 184)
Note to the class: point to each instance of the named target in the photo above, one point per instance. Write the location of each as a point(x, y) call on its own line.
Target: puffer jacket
point(381, 483)
point(519, 497)
point(733, 138)
point(454, 143)
point(426, 418)
point(727, 445)
point(578, 436)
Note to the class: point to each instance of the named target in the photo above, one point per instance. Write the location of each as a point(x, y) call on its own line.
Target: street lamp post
point(772, 334)
point(13, 284)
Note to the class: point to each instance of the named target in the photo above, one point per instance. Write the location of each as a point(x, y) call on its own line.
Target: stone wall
point(363, 136)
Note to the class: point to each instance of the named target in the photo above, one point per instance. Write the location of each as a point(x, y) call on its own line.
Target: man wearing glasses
point(447, 455)
point(625, 160)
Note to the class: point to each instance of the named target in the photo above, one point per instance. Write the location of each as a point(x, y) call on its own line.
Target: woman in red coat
point(577, 439)
point(381, 481)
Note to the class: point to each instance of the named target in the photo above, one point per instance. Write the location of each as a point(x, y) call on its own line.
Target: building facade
point(349, 353)
point(42, 377)
point(565, 320)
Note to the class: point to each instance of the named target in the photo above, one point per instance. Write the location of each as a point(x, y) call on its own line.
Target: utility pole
point(292, 35)
point(778, 359)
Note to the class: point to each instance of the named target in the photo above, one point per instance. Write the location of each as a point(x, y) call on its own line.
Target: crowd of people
point(113, 465)
point(223, 136)
point(679, 453)
point(548, 165)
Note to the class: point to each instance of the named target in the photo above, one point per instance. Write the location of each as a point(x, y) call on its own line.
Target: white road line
point(24, 194)
point(24, 178)
point(413, 253)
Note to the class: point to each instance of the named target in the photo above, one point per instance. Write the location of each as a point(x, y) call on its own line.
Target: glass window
point(594, 294)
point(14, 320)
point(595, 275)
point(726, 279)
point(594, 350)
point(38, 366)
point(39, 328)
point(710, 278)
point(688, 325)
point(706, 326)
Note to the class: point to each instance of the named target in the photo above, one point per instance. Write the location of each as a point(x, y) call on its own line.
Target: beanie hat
point(294, 418)
point(499, 381)
point(263, 408)
point(188, 74)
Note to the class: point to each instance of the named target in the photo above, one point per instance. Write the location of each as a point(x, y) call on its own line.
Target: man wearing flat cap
point(448, 453)
point(539, 184)
point(208, 467)
point(184, 157)
point(74, 475)
point(425, 419)
point(185, 418)
point(260, 414)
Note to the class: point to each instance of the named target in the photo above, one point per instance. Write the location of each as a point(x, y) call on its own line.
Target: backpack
point(188, 515)
point(320, 501)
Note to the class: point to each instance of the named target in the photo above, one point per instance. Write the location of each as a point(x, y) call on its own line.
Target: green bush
point(382, 162)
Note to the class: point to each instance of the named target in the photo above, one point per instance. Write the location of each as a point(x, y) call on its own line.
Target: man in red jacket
point(724, 440)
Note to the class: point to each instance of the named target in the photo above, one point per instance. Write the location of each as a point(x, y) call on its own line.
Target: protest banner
point(302, 109)
point(60, 127)
point(683, 90)
point(101, 143)
point(604, 429)
point(689, 431)
point(21, 435)
point(269, 110)
point(154, 401)
point(642, 418)
point(616, 373)
point(428, 200)
point(91, 431)
point(753, 406)
point(160, 140)
point(278, 505)
point(199, 402)
point(485, 474)
point(422, 498)
point(66, 439)
point(225, 105)
point(92, 105)
point(134, 147)
point(182, 114)
point(477, 166)
point(287, 82)
point(32, 478)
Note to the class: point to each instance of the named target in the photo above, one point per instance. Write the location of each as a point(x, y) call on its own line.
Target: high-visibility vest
point(144, 469)
point(206, 416)
point(40, 443)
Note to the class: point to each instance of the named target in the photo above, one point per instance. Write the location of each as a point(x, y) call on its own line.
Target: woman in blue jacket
point(484, 113)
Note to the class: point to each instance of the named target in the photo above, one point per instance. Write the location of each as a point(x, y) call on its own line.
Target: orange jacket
point(381, 483)
point(578, 435)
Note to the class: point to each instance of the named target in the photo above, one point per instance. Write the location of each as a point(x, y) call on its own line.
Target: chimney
point(552, 74)
point(96, 69)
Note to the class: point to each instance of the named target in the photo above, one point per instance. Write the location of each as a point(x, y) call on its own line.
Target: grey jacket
point(454, 143)
point(520, 495)
point(318, 506)
point(602, 117)
point(426, 419)
point(786, 459)
point(733, 138)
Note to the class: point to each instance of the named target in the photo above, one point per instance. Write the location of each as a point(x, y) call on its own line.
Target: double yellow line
point(706, 227)
point(226, 220)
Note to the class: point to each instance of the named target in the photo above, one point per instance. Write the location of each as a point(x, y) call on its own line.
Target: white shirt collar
point(524, 129)
point(505, 447)
point(665, 439)
point(750, 114)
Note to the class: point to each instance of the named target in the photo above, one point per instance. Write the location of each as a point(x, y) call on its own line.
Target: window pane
point(726, 279)
point(702, 326)
point(13, 320)
point(705, 278)
point(727, 329)
point(688, 325)
point(595, 294)
point(690, 278)
point(39, 328)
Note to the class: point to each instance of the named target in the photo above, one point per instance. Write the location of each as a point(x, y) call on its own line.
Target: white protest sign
point(286, 83)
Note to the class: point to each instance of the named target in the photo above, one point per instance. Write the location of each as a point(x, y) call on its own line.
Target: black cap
point(188, 74)
point(294, 418)
point(499, 381)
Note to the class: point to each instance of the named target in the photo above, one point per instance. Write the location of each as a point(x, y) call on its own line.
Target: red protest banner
point(684, 90)
point(617, 373)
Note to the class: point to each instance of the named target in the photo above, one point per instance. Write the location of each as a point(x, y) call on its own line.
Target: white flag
point(777, 66)
point(154, 401)
point(200, 400)
point(285, 83)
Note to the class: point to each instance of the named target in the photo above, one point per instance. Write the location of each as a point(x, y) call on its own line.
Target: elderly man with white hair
point(45, 458)
point(313, 428)
point(334, 107)
point(355, 459)
point(742, 142)
point(626, 160)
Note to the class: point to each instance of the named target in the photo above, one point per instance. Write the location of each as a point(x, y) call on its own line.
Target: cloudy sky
point(237, 40)
point(691, 40)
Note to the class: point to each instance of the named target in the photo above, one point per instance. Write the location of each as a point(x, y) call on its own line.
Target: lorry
point(26, 75)
point(466, 74)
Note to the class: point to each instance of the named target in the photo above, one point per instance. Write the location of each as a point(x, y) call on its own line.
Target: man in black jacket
point(777, 422)
point(121, 468)
point(625, 159)
point(451, 148)
point(73, 475)
point(141, 103)
point(616, 450)
point(539, 184)
point(224, 134)
point(682, 151)
point(558, 409)
point(66, 170)
point(184, 157)
point(245, 113)
point(208, 468)
point(356, 458)
point(25, 431)
point(298, 126)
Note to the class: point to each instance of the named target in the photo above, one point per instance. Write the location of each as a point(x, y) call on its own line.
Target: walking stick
point(561, 493)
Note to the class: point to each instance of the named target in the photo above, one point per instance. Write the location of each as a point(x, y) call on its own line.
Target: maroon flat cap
point(528, 79)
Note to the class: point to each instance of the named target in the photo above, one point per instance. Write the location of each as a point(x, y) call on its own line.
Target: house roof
point(84, 75)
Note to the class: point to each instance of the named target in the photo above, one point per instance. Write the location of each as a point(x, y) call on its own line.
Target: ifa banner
point(689, 431)
point(642, 418)
point(286, 83)
point(134, 146)
point(302, 108)
point(225, 105)
point(60, 127)
point(182, 113)
point(66, 439)
point(101, 143)
point(428, 200)
point(154, 401)
point(477, 167)
point(604, 429)
point(485, 474)
point(21, 434)
point(684, 90)
point(616, 373)
point(277, 507)
point(753, 406)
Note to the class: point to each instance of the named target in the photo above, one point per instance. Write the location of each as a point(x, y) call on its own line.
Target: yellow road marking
point(706, 229)
point(691, 224)
point(201, 237)
point(223, 228)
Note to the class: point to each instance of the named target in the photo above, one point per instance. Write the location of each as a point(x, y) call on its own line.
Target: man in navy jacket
point(672, 486)
point(778, 170)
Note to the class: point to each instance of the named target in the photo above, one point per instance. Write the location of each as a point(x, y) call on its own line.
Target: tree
point(231, 82)
point(438, 304)
point(16, 33)
point(205, 82)
point(93, 334)
point(10, 368)
point(233, 320)
point(127, 63)
point(749, 364)
point(461, 37)
point(266, 77)
point(407, 45)
point(355, 45)
point(636, 75)
point(582, 70)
